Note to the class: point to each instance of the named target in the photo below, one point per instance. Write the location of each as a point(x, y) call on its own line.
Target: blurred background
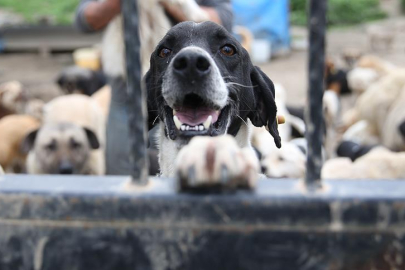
point(37, 38)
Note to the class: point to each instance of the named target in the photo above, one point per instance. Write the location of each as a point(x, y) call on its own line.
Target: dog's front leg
point(216, 161)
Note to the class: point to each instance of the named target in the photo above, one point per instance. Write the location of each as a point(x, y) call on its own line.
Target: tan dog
point(381, 66)
point(103, 99)
point(13, 129)
point(375, 104)
point(380, 163)
point(61, 148)
point(84, 112)
point(368, 70)
point(393, 136)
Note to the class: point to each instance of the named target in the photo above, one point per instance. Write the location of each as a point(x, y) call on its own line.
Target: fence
point(82, 223)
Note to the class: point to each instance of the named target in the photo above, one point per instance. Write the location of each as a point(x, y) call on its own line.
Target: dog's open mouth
point(196, 117)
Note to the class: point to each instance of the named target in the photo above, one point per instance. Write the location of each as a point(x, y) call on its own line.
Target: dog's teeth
point(201, 127)
point(177, 122)
point(207, 122)
point(183, 127)
point(187, 127)
point(174, 112)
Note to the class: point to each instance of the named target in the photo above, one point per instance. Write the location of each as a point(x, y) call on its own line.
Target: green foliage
point(58, 11)
point(340, 12)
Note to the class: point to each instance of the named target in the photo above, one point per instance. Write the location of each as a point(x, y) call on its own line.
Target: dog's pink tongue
point(196, 116)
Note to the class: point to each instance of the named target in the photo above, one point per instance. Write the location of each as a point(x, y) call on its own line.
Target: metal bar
point(314, 113)
point(136, 93)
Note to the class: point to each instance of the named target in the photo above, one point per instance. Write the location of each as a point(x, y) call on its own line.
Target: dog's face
point(201, 82)
point(62, 148)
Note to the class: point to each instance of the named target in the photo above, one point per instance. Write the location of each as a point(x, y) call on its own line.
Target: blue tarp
point(267, 19)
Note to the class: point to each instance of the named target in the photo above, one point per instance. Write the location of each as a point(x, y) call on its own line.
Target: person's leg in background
point(118, 147)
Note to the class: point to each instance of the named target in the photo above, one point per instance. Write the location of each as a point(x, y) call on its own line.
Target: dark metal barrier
point(314, 113)
point(84, 223)
point(104, 223)
point(137, 95)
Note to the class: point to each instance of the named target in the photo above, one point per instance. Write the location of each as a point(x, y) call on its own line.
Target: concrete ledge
point(56, 222)
point(46, 38)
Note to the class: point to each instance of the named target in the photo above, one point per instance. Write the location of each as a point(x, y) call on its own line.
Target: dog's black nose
point(65, 167)
point(192, 65)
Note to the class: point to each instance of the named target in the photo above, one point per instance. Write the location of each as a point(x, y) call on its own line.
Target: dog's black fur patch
point(338, 76)
point(255, 100)
point(83, 80)
point(353, 150)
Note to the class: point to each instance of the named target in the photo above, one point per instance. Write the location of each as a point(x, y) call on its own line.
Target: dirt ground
point(38, 73)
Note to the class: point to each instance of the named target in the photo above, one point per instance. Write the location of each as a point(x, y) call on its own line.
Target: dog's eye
point(51, 146)
point(228, 50)
point(74, 144)
point(164, 52)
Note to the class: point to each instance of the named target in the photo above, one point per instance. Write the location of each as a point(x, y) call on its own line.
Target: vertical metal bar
point(314, 112)
point(136, 93)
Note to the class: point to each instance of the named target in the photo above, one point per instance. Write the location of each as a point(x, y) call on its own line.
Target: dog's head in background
point(61, 148)
point(202, 82)
point(85, 81)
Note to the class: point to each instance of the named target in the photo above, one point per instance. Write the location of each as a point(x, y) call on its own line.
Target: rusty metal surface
point(49, 222)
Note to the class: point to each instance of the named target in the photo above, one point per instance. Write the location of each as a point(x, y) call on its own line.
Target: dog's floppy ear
point(28, 142)
point(402, 129)
point(60, 80)
point(92, 137)
point(151, 99)
point(265, 112)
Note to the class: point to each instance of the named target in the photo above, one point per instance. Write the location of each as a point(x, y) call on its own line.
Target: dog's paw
point(216, 161)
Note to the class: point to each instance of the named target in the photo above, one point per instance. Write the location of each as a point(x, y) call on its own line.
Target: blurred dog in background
point(61, 148)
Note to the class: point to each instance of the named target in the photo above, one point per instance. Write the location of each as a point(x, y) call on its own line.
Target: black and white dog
point(201, 82)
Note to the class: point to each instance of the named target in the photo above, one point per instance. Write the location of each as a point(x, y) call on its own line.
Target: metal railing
point(314, 112)
point(137, 95)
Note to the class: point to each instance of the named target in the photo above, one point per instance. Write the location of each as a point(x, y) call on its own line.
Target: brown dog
point(14, 128)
